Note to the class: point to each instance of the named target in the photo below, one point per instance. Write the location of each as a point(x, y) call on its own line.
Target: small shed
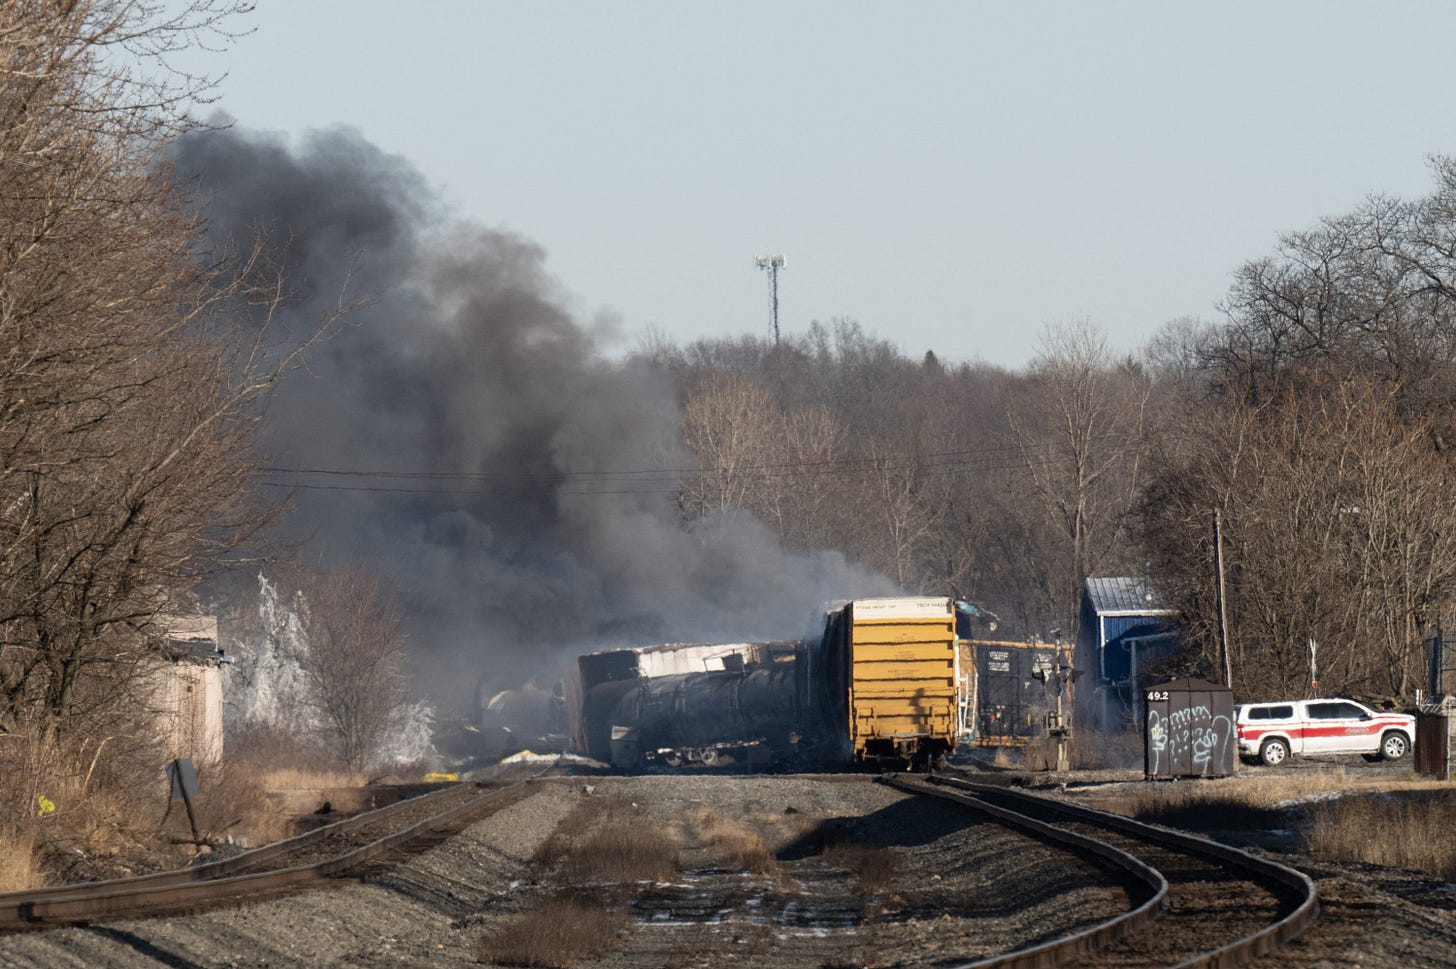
point(1123, 624)
point(1188, 730)
point(186, 689)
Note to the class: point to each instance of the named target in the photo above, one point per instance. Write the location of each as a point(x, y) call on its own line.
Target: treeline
point(1006, 488)
point(1317, 417)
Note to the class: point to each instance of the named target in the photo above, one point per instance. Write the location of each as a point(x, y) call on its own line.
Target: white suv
point(1272, 732)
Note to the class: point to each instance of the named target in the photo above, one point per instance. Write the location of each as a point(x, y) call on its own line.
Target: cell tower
point(773, 264)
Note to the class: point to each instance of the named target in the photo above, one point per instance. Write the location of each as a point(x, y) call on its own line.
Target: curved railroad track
point(343, 848)
point(1219, 907)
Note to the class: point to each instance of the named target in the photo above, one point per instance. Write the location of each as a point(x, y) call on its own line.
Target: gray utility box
point(1188, 730)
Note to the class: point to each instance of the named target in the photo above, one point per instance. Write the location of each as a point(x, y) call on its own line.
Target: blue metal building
point(1123, 623)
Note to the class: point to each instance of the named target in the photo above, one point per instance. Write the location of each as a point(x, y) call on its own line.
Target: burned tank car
point(638, 712)
point(729, 716)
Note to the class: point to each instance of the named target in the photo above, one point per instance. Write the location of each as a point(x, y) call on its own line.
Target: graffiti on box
point(1189, 740)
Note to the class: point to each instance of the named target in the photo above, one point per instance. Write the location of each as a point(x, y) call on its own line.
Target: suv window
point(1334, 711)
point(1284, 712)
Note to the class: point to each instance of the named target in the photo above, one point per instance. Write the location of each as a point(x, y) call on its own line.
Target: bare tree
point(1338, 528)
point(731, 424)
point(1080, 429)
point(355, 661)
point(126, 381)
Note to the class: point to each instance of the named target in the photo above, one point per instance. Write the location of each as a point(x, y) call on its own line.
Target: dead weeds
point(611, 843)
point(1342, 816)
point(875, 868)
point(1412, 831)
point(564, 931)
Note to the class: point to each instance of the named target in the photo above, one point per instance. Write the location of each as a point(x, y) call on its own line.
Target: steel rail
point(232, 878)
point(1062, 950)
point(1298, 887)
point(234, 865)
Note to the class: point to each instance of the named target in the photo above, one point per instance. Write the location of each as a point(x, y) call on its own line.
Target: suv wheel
point(1273, 752)
point(1394, 745)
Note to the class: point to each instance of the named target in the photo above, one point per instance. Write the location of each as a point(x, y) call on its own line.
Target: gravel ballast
point(946, 886)
point(848, 873)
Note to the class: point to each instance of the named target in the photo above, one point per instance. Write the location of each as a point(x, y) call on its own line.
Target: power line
point(569, 486)
point(930, 459)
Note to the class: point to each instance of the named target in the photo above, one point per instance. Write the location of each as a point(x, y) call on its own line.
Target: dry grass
point(1251, 792)
point(308, 778)
point(1345, 816)
point(102, 792)
point(611, 844)
point(564, 932)
point(735, 844)
point(235, 799)
point(233, 803)
point(112, 815)
point(19, 864)
point(282, 762)
point(875, 868)
point(1412, 831)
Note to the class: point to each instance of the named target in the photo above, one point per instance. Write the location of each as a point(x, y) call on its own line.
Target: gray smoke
point(496, 431)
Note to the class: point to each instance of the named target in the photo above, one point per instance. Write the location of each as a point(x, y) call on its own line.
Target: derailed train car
point(892, 672)
point(1011, 699)
point(685, 704)
point(879, 687)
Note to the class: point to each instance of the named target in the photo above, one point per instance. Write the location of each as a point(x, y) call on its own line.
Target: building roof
point(1124, 596)
point(193, 638)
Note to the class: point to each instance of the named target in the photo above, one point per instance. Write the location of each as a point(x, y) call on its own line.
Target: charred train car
point(685, 704)
point(879, 687)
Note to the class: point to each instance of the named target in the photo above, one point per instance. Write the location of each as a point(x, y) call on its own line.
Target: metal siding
point(903, 680)
point(1191, 733)
point(1115, 626)
point(1123, 594)
point(1011, 703)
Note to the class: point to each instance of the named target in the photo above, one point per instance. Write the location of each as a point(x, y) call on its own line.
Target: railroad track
point(340, 849)
point(1217, 906)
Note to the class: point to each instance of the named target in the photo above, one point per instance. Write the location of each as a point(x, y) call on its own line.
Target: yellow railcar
point(899, 679)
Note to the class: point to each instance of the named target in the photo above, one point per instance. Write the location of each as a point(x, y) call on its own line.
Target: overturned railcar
point(881, 687)
point(694, 704)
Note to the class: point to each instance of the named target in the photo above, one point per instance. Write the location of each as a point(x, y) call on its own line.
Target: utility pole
point(1228, 669)
point(773, 264)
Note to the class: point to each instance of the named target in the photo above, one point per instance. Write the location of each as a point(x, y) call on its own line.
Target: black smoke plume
point(492, 449)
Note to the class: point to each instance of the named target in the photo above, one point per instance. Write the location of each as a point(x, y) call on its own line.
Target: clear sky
point(951, 175)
